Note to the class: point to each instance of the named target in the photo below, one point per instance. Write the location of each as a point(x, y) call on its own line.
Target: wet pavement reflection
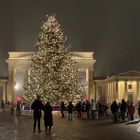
point(20, 128)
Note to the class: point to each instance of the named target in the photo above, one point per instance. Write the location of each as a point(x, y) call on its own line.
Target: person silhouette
point(48, 117)
point(37, 106)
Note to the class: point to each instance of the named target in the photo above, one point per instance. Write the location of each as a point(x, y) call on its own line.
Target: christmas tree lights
point(51, 73)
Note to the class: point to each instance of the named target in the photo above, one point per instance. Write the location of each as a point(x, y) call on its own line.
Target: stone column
point(5, 88)
point(107, 93)
point(110, 96)
point(11, 84)
point(112, 92)
point(125, 92)
point(108, 88)
point(14, 83)
point(116, 91)
point(134, 93)
point(89, 80)
point(95, 91)
point(3, 95)
point(137, 91)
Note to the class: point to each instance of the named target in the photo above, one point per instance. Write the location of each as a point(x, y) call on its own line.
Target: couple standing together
point(37, 106)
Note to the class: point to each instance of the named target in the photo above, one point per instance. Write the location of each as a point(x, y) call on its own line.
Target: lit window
point(129, 86)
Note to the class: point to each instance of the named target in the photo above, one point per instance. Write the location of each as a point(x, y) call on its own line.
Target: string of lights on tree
point(51, 73)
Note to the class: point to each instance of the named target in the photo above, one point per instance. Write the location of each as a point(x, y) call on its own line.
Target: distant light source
point(17, 86)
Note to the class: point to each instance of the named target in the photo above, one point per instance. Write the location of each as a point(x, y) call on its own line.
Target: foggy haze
point(108, 28)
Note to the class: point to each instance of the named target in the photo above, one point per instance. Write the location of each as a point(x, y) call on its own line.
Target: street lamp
point(17, 86)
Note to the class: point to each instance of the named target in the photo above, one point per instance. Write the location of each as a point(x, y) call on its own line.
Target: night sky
point(110, 28)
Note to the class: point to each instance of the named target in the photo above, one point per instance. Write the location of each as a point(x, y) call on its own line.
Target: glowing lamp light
point(17, 86)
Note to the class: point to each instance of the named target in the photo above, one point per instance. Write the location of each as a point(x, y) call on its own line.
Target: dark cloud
point(109, 28)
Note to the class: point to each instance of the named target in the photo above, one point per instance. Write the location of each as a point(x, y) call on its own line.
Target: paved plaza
point(20, 128)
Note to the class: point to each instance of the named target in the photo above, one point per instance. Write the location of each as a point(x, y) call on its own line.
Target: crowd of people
point(123, 111)
point(86, 109)
point(14, 108)
point(91, 110)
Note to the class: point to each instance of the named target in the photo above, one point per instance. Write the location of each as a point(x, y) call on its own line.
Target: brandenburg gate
point(18, 65)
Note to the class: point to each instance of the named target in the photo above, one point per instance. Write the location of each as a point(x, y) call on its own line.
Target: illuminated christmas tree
point(51, 72)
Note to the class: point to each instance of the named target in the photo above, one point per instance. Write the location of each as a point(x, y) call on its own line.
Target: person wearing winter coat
point(87, 109)
point(79, 108)
point(131, 111)
point(70, 110)
point(139, 109)
point(84, 114)
point(18, 109)
point(62, 108)
point(37, 106)
point(93, 108)
point(114, 110)
point(48, 117)
point(123, 107)
point(2, 105)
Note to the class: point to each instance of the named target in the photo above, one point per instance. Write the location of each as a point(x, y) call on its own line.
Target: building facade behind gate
point(122, 86)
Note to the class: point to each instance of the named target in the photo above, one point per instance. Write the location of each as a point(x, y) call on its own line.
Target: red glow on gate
point(18, 98)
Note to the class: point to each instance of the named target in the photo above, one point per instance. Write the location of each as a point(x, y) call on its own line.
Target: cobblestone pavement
point(20, 128)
